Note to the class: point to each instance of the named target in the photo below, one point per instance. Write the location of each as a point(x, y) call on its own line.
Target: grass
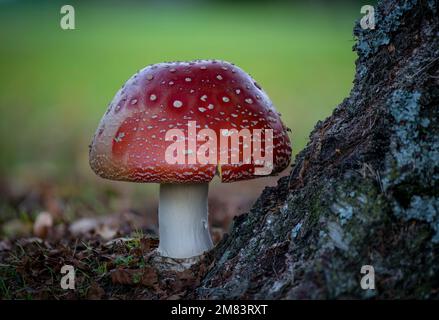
point(55, 84)
point(101, 269)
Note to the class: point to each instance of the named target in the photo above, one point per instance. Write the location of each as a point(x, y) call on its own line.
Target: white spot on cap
point(238, 91)
point(153, 97)
point(188, 79)
point(226, 133)
point(171, 83)
point(149, 76)
point(134, 101)
point(177, 104)
point(172, 70)
point(219, 77)
point(203, 68)
point(202, 109)
point(203, 97)
point(119, 137)
point(210, 106)
point(249, 100)
point(226, 99)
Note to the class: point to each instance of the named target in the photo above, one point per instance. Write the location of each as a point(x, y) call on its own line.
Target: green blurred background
point(55, 84)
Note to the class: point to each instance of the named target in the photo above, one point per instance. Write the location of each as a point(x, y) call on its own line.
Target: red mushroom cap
point(130, 144)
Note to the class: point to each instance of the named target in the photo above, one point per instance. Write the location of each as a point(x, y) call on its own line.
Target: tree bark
point(365, 189)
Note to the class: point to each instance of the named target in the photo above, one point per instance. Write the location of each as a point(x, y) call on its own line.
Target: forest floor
point(123, 268)
point(113, 255)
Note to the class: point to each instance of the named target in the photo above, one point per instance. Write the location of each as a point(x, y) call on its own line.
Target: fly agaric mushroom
point(132, 141)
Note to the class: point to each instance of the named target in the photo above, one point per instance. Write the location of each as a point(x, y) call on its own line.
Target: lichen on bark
point(363, 192)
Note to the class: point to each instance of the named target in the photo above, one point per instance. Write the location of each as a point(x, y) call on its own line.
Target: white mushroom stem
point(183, 220)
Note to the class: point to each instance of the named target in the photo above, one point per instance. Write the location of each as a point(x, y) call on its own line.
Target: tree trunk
point(365, 189)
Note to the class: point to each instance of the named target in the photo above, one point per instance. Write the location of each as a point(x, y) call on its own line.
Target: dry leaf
point(95, 292)
point(43, 223)
point(121, 276)
point(148, 244)
point(149, 277)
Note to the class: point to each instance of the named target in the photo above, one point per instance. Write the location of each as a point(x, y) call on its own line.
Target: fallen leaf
point(95, 292)
point(83, 226)
point(105, 232)
point(5, 245)
point(121, 276)
point(148, 244)
point(43, 224)
point(149, 277)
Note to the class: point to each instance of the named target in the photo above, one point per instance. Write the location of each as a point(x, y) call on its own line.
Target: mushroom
point(132, 141)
